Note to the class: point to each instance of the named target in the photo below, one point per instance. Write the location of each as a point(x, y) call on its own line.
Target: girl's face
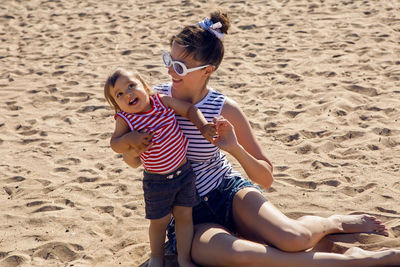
point(190, 85)
point(130, 95)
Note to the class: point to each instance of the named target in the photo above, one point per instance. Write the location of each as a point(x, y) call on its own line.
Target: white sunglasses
point(179, 67)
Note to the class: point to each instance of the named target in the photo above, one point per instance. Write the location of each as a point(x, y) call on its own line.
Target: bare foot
point(359, 224)
point(389, 257)
point(156, 261)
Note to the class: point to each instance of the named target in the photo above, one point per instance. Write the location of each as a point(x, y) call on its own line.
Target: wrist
point(235, 150)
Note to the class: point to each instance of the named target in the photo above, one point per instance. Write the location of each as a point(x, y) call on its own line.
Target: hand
point(139, 142)
point(208, 131)
point(226, 139)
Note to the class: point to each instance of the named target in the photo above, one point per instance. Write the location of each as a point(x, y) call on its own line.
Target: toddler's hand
point(226, 139)
point(209, 131)
point(139, 141)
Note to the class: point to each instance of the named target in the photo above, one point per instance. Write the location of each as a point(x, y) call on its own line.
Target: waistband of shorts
point(158, 176)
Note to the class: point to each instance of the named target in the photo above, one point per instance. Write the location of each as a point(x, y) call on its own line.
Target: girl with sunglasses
point(235, 225)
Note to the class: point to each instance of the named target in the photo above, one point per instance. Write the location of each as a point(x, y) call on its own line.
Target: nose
point(128, 92)
point(171, 70)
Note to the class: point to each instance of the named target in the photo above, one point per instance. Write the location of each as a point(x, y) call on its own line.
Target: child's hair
point(201, 43)
point(112, 79)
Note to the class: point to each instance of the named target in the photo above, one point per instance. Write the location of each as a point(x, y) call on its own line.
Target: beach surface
point(318, 80)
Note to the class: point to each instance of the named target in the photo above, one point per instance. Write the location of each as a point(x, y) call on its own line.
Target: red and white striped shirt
point(169, 145)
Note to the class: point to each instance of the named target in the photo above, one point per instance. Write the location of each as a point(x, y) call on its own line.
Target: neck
point(196, 97)
point(147, 108)
point(199, 96)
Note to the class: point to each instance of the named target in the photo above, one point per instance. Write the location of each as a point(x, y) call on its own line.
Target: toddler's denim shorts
point(164, 191)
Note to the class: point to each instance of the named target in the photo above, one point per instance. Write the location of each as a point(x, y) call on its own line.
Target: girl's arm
point(191, 112)
point(241, 143)
point(124, 140)
point(132, 159)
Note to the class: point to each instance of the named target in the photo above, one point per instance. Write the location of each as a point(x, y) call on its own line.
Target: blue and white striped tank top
point(207, 160)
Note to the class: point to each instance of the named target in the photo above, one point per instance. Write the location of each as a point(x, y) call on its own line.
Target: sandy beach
point(318, 80)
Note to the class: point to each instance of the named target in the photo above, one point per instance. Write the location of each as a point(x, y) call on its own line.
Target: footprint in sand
point(35, 203)
point(288, 138)
point(131, 206)
point(61, 169)
point(12, 190)
point(91, 171)
point(320, 164)
point(100, 166)
point(396, 230)
point(11, 105)
point(368, 91)
point(48, 208)
point(348, 135)
point(354, 190)
point(92, 108)
point(63, 252)
point(384, 131)
point(13, 261)
point(292, 114)
point(68, 161)
point(82, 179)
point(386, 210)
point(15, 179)
point(105, 209)
point(299, 183)
point(304, 149)
point(270, 127)
point(123, 244)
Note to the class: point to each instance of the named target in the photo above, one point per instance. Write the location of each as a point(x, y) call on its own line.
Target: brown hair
point(112, 79)
point(201, 43)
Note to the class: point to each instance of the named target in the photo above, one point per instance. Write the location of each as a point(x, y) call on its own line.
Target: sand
point(319, 81)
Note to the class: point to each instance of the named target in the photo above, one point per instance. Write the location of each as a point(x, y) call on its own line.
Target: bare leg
point(157, 239)
point(258, 220)
point(215, 246)
point(387, 257)
point(184, 234)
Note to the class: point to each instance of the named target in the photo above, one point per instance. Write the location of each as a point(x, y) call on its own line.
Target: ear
point(209, 70)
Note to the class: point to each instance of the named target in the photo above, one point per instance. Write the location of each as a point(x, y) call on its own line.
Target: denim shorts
point(164, 191)
point(215, 207)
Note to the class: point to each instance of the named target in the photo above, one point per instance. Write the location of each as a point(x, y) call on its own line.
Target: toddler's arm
point(191, 112)
point(132, 158)
point(124, 140)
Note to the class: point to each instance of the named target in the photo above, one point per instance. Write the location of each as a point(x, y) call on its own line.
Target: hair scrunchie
point(207, 24)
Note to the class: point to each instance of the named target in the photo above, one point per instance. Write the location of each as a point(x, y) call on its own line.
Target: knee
point(294, 240)
point(240, 254)
point(182, 214)
point(162, 222)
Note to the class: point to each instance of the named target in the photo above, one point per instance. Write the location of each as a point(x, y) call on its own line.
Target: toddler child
point(169, 181)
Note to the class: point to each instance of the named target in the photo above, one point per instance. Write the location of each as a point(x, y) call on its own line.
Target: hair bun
point(219, 16)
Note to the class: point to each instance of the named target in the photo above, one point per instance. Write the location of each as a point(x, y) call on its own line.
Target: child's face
point(130, 95)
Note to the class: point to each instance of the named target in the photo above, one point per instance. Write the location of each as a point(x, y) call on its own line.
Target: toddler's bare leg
point(184, 234)
point(157, 239)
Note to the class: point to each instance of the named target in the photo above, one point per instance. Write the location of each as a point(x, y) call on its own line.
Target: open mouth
point(133, 101)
